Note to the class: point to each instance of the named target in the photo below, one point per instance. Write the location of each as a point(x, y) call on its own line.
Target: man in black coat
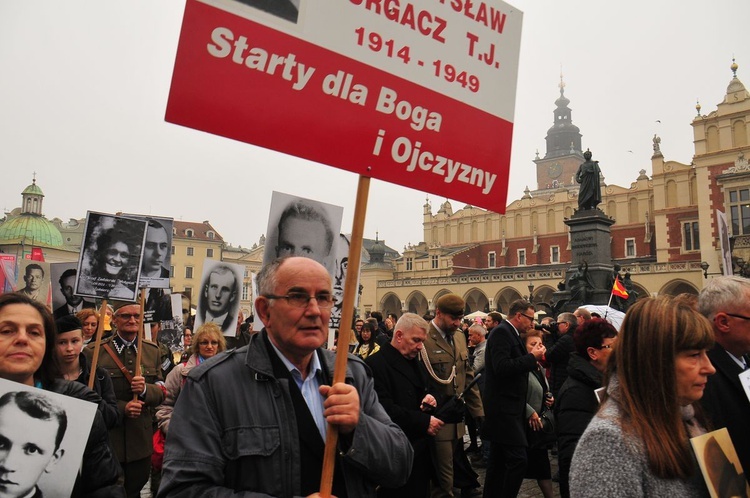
point(725, 301)
point(401, 384)
point(507, 367)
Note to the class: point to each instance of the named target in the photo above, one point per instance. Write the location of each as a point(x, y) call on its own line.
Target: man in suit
point(450, 374)
point(73, 304)
point(507, 367)
point(725, 301)
point(136, 394)
point(155, 251)
point(401, 382)
point(219, 299)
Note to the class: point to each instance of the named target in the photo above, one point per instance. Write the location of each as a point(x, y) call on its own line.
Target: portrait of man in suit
point(155, 251)
point(219, 299)
point(73, 304)
point(31, 430)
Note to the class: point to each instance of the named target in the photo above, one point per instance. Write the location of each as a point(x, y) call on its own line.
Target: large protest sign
point(46, 433)
point(110, 260)
point(418, 93)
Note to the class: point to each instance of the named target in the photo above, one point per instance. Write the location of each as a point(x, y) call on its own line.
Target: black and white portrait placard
point(157, 251)
point(110, 262)
point(42, 439)
point(220, 293)
point(303, 227)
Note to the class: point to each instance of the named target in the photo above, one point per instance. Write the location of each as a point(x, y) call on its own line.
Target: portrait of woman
point(112, 257)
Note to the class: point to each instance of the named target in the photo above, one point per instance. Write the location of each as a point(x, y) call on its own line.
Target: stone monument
point(589, 279)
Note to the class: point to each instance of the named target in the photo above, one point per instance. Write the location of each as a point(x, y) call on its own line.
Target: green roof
point(30, 229)
point(33, 189)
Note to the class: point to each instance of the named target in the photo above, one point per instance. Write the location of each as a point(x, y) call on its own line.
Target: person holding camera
point(559, 346)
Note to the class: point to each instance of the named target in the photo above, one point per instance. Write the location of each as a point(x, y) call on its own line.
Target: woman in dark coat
point(576, 402)
point(27, 356)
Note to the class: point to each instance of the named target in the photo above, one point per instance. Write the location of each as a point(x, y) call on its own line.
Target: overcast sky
point(84, 85)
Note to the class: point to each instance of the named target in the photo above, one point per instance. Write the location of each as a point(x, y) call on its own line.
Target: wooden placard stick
point(347, 312)
point(139, 341)
point(97, 342)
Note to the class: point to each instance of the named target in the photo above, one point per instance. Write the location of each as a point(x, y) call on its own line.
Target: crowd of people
point(252, 413)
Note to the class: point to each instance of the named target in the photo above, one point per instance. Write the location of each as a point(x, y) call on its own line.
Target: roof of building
point(200, 231)
point(30, 229)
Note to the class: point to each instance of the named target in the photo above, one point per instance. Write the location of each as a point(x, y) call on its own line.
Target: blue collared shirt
point(309, 388)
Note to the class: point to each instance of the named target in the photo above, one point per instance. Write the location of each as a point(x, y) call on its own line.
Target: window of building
point(245, 292)
point(739, 211)
point(434, 261)
point(690, 238)
point(190, 251)
point(554, 254)
point(188, 272)
point(522, 257)
point(210, 235)
point(409, 264)
point(171, 271)
point(246, 273)
point(189, 232)
point(629, 248)
point(491, 259)
point(173, 251)
point(209, 252)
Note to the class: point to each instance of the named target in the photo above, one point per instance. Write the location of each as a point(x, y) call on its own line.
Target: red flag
point(618, 289)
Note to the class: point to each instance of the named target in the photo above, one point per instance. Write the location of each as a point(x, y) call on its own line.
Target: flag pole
point(97, 343)
point(347, 312)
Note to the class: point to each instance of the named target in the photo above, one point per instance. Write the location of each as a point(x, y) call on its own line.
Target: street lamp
point(531, 292)
point(704, 267)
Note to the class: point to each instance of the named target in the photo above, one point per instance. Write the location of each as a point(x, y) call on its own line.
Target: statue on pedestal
point(590, 193)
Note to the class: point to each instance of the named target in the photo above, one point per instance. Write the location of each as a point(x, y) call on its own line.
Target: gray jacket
point(609, 463)
point(233, 428)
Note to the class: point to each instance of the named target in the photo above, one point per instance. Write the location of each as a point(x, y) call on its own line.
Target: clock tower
point(564, 155)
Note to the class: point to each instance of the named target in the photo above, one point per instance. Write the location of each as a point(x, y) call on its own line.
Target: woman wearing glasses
point(638, 442)
point(206, 343)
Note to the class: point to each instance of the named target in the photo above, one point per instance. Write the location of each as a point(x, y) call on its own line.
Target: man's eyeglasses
point(527, 316)
point(738, 316)
point(128, 316)
point(606, 346)
point(301, 299)
point(206, 343)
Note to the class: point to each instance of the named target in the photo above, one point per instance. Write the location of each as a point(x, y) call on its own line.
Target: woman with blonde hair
point(638, 442)
point(207, 342)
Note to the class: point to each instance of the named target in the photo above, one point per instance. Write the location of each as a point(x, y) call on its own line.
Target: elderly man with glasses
point(136, 394)
point(725, 301)
point(507, 367)
point(255, 419)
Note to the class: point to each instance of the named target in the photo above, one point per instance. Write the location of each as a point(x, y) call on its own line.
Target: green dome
point(30, 229)
point(33, 189)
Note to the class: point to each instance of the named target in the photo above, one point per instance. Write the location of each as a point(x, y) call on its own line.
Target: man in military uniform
point(136, 394)
point(450, 374)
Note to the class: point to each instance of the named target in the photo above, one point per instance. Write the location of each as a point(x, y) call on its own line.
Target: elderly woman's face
point(116, 257)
